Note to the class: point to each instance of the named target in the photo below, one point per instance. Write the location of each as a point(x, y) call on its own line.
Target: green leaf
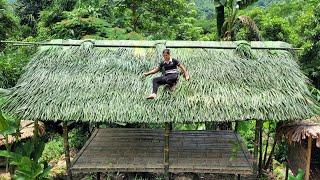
point(26, 148)
point(3, 123)
point(14, 157)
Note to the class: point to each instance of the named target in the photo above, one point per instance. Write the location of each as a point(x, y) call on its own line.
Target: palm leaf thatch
point(106, 84)
point(301, 130)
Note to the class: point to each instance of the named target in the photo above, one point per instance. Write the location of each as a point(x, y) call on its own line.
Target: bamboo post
point(67, 150)
point(166, 149)
point(35, 131)
point(8, 149)
point(255, 148)
point(260, 147)
point(236, 127)
point(307, 176)
point(271, 153)
point(267, 144)
point(98, 175)
point(287, 170)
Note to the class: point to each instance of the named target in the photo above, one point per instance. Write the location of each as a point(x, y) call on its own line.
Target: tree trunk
point(220, 20)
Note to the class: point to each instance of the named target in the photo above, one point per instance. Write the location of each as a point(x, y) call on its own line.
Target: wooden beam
point(307, 175)
point(169, 44)
point(67, 150)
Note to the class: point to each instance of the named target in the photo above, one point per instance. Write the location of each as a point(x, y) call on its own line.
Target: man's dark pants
point(169, 79)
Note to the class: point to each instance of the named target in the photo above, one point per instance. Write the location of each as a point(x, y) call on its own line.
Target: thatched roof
point(27, 128)
point(298, 131)
point(88, 83)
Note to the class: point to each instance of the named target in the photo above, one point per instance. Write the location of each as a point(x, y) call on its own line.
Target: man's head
point(166, 54)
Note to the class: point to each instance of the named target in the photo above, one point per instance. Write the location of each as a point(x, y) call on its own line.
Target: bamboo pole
point(35, 131)
point(8, 147)
point(153, 44)
point(287, 170)
point(271, 153)
point(260, 147)
point(275, 140)
point(236, 127)
point(267, 144)
point(307, 175)
point(67, 150)
point(255, 148)
point(166, 149)
point(98, 176)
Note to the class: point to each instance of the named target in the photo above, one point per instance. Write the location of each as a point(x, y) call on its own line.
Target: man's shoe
point(152, 96)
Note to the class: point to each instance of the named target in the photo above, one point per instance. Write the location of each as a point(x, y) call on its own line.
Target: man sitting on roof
point(169, 66)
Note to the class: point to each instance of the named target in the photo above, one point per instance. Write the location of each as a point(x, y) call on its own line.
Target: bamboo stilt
point(98, 176)
point(287, 170)
point(267, 144)
point(36, 131)
point(166, 149)
point(260, 148)
point(236, 127)
point(307, 175)
point(255, 148)
point(8, 149)
point(67, 150)
point(271, 153)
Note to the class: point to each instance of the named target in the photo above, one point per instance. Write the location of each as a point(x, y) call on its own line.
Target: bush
point(77, 138)
point(52, 150)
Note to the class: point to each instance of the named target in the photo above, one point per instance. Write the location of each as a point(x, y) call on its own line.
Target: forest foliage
point(294, 21)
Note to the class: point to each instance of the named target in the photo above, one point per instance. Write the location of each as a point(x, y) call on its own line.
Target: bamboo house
point(102, 81)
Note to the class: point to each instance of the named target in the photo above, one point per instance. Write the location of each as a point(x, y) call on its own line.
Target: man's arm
point(153, 71)
point(184, 71)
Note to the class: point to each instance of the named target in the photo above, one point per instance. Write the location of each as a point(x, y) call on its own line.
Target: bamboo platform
point(141, 150)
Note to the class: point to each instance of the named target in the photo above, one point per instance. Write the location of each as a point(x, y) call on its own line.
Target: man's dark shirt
point(169, 66)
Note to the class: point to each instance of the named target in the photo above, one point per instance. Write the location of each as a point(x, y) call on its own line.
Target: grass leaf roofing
point(106, 84)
